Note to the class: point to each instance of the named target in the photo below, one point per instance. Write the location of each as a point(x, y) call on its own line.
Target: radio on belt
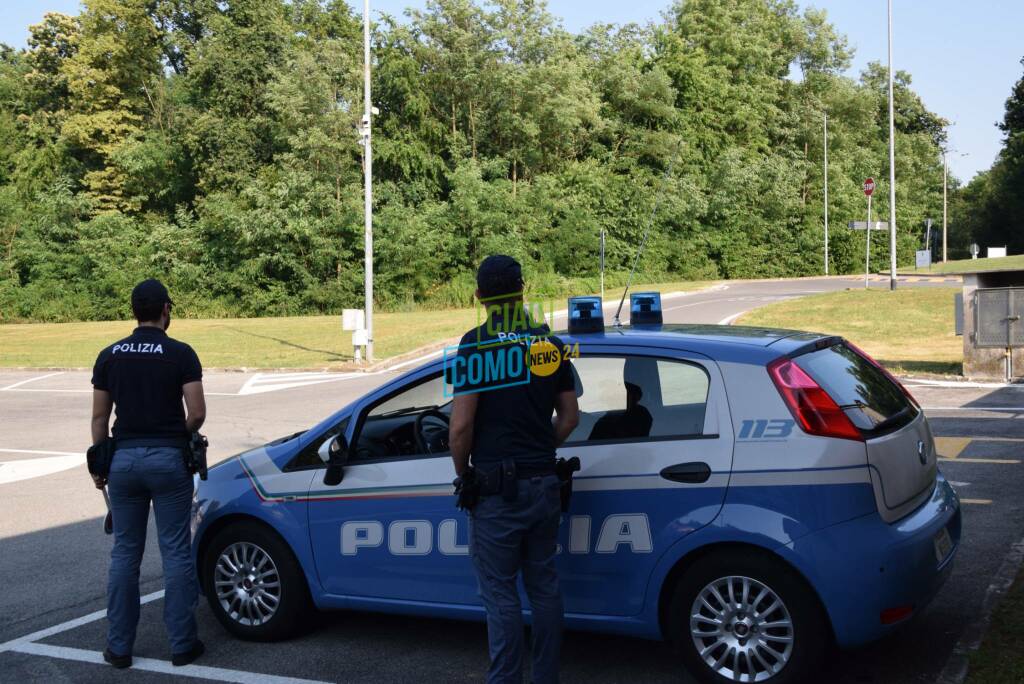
point(645, 308)
point(585, 315)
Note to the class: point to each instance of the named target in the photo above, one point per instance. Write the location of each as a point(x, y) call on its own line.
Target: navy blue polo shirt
point(516, 395)
point(144, 374)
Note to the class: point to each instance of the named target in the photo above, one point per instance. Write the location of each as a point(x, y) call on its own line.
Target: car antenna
point(643, 243)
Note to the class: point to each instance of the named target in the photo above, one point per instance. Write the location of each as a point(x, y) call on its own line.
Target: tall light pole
point(945, 186)
point(945, 182)
point(826, 193)
point(892, 169)
point(368, 181)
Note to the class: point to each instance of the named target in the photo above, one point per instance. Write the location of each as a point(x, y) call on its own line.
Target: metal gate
point(999, 317)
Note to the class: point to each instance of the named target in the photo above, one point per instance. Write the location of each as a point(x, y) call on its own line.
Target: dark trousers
point(506, 539)
point(138, 476)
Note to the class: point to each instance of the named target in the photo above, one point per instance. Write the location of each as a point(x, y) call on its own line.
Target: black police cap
point(151, 291)
point(499, 275)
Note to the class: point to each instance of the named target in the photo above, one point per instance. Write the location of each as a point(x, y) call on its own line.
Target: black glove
point(195, 454)
point(467, 490)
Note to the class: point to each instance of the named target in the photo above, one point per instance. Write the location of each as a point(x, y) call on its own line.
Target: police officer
point(143, 378)
point(506, 424)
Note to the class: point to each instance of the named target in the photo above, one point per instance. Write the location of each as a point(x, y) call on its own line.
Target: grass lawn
point(1000, 660)
point(293, 342)
point(1014, 261)
point(909, 330)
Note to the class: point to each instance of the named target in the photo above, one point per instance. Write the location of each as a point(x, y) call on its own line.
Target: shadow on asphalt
point(331, 356)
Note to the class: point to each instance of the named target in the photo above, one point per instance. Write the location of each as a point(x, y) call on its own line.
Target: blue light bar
point(585, 315)
point(645, 308)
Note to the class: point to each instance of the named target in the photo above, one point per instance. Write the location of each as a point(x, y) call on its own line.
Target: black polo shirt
point(144, 374)
point(516, 399)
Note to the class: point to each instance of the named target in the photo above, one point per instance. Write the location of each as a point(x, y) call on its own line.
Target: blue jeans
point(504, 540)
point(137, 476)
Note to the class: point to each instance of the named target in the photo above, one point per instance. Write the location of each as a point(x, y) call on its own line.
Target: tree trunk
point(472, 129)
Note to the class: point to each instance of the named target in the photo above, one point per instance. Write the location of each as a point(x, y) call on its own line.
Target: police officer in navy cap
point(506, 424)
point(154, 386)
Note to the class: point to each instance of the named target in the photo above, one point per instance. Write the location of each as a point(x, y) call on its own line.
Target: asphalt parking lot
point(54, 555)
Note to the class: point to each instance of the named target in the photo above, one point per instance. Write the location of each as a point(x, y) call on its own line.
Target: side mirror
point(334, 452)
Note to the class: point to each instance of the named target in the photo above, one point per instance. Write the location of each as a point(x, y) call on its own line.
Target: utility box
point(352, 319)
point(993, 324)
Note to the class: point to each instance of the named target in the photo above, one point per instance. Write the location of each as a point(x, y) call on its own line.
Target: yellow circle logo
point(544, 358)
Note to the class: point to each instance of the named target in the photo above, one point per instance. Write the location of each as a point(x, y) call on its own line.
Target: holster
point(564, 468)
point(498, 478)
point(99, 456)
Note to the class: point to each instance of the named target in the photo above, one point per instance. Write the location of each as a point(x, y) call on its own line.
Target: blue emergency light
point(645, 308)
point(585, 315)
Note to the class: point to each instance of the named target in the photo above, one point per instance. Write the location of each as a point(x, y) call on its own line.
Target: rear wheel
point(746, 617)
point(253, 583)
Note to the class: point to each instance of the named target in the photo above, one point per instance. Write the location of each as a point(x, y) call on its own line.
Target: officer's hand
point(100, 482)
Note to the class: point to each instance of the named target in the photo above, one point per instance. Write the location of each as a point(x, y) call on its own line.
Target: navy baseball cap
point(499, 275)
point(151, 291)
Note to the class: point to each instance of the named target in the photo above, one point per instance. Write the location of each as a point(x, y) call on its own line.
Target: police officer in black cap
point(502, 416)
point(144, 379)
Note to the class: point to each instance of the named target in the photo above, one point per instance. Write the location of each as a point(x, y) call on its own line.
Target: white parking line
point(25, 382)
point(37, 451)
point(729, 319)
point(29, 645)
point(1011, 409)
point(216, 674)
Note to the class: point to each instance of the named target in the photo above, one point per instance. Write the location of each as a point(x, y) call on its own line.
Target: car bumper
point(873, 576)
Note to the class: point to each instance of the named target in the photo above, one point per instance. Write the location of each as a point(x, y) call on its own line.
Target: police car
point(748, 494)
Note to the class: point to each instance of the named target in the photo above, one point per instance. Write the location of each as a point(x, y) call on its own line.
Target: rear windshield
point(870, 399)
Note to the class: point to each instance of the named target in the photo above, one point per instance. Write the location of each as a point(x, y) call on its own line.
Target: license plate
point(943, 545)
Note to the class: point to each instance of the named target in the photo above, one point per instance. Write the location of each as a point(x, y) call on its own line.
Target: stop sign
point(869, 186)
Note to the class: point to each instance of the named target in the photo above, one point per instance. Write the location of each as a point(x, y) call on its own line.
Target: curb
point(958, 665)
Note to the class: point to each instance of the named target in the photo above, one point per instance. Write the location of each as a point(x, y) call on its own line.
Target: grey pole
point(892, 169)
point(945, 181)
point(368, 180)
point(826, 193)
point(867, 248)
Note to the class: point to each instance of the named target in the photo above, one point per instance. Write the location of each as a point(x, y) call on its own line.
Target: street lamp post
point(945, 187)
point(826, 193)
point(368, 181)
point(892, 168)
point(945, 177)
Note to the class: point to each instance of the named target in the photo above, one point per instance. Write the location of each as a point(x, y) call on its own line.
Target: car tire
point(702, 642)
point(254, 584)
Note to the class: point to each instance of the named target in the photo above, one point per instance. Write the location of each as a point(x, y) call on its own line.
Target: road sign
point(869, 186)
point(863, 225)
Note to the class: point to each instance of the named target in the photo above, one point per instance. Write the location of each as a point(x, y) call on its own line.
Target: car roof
point(701, 337)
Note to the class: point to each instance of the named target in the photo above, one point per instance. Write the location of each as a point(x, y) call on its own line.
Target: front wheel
point(746, 617)
point(253, 583)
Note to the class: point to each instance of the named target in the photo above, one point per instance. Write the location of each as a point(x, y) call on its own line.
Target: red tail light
point(814, 410)
point(885, 372)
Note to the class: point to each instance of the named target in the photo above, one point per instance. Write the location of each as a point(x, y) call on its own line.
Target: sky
point(964, 57)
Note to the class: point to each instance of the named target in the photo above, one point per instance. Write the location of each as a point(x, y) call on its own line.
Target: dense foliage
point(990, 209)
point(214, 144)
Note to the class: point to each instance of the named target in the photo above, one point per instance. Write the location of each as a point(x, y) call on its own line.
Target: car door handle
point(692, 473)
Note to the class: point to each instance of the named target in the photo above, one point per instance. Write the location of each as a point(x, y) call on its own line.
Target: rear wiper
point(406, 410)
point(893, 419)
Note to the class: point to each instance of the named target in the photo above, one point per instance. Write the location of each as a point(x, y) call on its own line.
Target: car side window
point(388, 429)
point(630, 398)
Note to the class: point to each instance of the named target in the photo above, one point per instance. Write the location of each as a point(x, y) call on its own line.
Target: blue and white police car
point(748, 494)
